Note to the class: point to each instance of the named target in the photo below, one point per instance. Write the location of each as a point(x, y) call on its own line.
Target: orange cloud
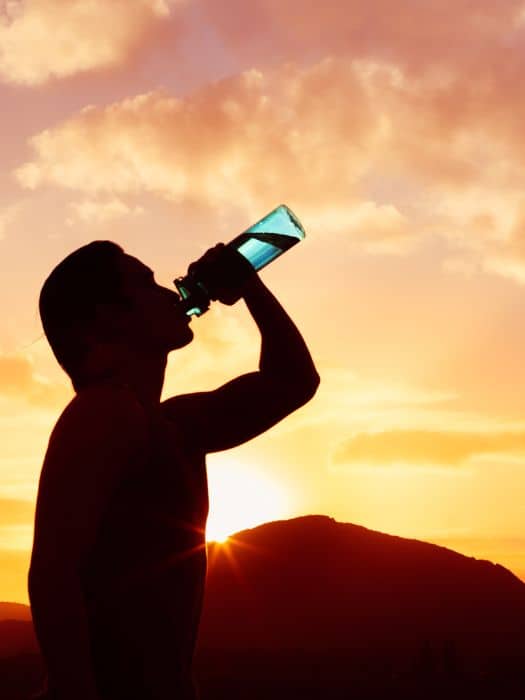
point(43, 39)
point(18, 381)
point(420, 447)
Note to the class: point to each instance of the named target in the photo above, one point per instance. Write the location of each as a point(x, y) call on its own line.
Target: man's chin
point(183, 339)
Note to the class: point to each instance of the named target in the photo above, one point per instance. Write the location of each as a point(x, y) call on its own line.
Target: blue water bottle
point(262, 243)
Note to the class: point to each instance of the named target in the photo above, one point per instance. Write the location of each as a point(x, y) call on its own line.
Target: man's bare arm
point(95, 442)
point(250, 404)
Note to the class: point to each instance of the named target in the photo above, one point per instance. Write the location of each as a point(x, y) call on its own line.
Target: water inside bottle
point(261, 248)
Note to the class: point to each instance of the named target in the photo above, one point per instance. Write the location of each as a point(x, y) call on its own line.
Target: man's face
point(156, 319)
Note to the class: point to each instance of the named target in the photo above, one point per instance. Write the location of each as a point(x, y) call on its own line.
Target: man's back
point(143, 578)
point(144, 583)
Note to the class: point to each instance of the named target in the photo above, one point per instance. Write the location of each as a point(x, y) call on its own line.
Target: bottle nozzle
point(194, 296)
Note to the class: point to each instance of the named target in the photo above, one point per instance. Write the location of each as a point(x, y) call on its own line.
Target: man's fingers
point(223, 271)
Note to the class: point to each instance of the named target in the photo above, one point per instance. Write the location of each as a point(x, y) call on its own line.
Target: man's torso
point(144, 582)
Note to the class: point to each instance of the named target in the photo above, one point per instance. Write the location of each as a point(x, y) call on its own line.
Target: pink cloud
point(97, 211)
point(414, 34)
point(43, 39)
point(306, 137)
point(408, 97)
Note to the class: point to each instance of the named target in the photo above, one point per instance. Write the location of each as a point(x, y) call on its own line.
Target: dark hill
point(16, 631)
point(14, 611)
point(314, 584)
point(17, 637)
point(312, 608)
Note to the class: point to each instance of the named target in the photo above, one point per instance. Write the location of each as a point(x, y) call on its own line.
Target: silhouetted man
point(119, 561)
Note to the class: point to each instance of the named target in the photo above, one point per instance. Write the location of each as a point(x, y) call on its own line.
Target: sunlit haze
point(241, 497)
point(397, 138)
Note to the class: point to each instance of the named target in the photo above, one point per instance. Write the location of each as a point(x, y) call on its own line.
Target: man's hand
point(224, 272)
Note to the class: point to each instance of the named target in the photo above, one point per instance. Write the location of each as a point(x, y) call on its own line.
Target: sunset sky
point(395, 131)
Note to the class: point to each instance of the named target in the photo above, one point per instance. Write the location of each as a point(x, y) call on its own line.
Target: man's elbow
point(305, 389)
point(313, 385)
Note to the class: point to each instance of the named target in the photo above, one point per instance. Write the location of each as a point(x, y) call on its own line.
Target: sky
point(394, 130)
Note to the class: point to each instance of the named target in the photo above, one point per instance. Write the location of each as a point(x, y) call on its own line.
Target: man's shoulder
point(180, 408)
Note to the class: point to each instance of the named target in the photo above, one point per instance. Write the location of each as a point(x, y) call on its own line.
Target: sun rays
point(241, 497)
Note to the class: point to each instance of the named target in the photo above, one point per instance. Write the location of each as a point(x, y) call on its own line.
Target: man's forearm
point(283, 351)
point(61, 627)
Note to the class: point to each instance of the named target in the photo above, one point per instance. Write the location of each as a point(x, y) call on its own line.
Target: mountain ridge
point(314, 608)
point(313, 582)
point(327, 518)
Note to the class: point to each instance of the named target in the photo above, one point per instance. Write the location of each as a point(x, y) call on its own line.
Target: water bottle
point(259, 245)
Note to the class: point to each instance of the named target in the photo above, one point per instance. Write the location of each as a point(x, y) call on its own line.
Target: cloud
point(388, 140)
point(424, 448)
point(94, 211)
point(306, 137)
point(450, 100)
point(18, 381)
point(352, 392)
point(44, 39)
point(415, 34)
point(386, 228)
point(346, 398)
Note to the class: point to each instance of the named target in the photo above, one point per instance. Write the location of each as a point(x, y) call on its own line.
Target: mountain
point(16, 630)
point(314, 584)
point(14, 611)
point(313, 608)
point(17, 637)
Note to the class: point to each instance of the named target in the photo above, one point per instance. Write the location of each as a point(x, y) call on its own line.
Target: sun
point(241, 497)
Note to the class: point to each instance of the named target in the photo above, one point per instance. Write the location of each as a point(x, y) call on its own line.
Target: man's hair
point(69, 299)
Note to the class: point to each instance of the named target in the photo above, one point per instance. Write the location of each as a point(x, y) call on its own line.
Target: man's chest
point(172, 476)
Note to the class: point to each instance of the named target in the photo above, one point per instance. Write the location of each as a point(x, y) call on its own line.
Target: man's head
point(99, 296)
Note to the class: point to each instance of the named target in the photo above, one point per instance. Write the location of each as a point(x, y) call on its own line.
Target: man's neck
point(141, 373)
point(144, 375)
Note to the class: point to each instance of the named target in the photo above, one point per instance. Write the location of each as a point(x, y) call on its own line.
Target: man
point(119, 561)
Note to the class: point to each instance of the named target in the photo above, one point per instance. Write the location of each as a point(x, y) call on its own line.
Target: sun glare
point(241, 497)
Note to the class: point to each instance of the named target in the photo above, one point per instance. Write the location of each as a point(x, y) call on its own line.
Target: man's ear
point(112, 319)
